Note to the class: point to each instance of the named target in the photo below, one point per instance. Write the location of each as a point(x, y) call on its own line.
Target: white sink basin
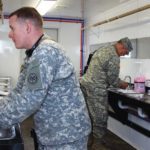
point(131, 93)
point(138, 95)
point(127, 91)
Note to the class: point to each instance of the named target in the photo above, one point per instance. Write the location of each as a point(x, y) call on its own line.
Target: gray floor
point(112, 142)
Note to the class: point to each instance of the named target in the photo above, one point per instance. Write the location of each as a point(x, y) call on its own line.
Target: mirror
point(143, 48)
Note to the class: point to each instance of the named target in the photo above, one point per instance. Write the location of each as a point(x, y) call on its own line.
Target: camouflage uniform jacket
point(48, 88)
point(103, 71)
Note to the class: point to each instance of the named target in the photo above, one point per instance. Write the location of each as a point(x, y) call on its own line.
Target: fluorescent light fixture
point(45, 5)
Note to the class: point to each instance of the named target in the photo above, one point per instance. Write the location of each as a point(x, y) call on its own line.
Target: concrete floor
point(112, 142)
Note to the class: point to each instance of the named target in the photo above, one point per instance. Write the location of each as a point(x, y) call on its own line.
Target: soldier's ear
point(28, 26)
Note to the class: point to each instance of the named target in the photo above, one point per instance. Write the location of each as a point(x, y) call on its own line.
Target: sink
point(131, 93)
point(136, 95)
point(7, 133)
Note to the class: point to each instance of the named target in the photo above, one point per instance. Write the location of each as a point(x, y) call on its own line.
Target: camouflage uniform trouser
point(77, 145)
point(98, 110)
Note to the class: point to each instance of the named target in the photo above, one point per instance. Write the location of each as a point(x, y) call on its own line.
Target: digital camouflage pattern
point(103, 72)
point(48, 89)
point(77, 145)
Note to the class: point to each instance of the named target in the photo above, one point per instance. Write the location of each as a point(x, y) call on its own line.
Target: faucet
point(129, 81)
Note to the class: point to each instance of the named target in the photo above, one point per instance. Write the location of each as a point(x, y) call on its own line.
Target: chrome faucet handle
point(129, 82)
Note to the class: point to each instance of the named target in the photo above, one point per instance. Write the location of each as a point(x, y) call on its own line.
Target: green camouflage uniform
point(103, 72)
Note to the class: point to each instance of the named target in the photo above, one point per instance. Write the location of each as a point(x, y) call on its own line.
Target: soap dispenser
point(139, 80)
point(139, 84)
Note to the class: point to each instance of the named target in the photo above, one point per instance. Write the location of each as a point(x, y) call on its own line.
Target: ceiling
point(64, 8)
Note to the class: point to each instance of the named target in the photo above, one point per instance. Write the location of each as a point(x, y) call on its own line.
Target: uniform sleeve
point(109, 65)
point(18, 105)
point(113, 71)
point(20, 82)
point(21, 78)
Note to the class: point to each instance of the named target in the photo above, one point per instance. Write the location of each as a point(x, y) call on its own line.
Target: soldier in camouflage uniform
point(47, 88)
point(103, 72)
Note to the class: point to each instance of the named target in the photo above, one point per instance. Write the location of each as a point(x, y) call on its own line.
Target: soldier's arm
point(113, 72)
point(19, 105)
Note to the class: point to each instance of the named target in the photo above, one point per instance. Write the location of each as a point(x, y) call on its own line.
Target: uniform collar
point(30, 51)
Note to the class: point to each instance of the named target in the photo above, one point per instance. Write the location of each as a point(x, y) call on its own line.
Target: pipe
point(81, 50)
point(141, 113)
point(122, 106)
point(119, 16)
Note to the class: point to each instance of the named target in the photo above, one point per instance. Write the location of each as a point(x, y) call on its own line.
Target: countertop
point(132, 99)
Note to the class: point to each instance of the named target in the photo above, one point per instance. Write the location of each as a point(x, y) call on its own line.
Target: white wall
point(133, 26)
point(69, 38)
point(11, 58)
point(9, 55)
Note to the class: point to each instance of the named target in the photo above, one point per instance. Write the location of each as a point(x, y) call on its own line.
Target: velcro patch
point(33, 79)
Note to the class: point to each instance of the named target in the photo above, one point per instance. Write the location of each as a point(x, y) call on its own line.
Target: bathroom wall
point(134, 68)
point(133, 26)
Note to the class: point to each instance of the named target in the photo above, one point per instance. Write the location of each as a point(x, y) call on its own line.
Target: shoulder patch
point(33, 79)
